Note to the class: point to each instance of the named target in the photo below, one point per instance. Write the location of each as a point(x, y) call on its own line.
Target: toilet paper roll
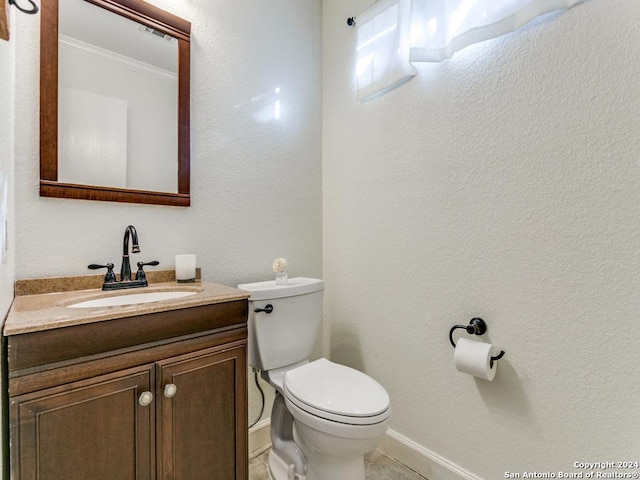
point(474, 358)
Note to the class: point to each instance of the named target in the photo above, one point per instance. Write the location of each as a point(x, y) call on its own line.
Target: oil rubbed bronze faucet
point(125, 270)
point(110, 281)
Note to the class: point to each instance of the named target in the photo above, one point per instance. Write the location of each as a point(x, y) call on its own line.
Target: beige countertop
point(45, 311)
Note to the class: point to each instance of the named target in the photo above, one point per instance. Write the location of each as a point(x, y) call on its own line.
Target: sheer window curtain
point(394, 33)
point(383, 48)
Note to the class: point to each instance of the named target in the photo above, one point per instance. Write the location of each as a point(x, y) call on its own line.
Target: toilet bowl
point(339, 415)
point(336, 415)
point(325, 416)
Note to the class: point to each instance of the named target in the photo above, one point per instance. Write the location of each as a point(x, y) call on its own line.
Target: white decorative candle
point(185, 268)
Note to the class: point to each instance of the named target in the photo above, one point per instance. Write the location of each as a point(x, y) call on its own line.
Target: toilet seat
point(337, 393)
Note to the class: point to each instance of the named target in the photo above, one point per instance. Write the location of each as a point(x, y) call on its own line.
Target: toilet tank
point(288, 334)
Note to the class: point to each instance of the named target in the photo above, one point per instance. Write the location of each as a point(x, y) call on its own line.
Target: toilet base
point(286, 461)
point(292, 458)
point(331, 467)
point(317, 469)
point(331, 470)
point(280, 470)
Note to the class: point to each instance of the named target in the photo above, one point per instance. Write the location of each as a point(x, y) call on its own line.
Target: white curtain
point(383, 48)
point(439, 28)
point(394, 33)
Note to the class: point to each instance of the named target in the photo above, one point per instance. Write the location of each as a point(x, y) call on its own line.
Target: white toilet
point(325, 416)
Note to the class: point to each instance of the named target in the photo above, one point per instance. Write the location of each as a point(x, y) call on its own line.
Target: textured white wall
point(503, 184)
point(6, 170)
point(7, 134)
point(255, 180)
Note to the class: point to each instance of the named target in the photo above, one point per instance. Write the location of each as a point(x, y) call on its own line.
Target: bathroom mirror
point(114, 102)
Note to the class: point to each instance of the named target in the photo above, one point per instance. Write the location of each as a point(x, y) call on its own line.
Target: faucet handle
point(110, 276)
point(140, 275)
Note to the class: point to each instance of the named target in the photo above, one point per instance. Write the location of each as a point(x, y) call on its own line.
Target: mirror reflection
point(117, 101)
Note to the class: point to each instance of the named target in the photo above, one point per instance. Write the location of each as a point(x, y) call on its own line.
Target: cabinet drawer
point(31, 350)
point(22, 382)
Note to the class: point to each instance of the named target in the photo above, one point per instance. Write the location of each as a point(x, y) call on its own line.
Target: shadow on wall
point(505, 395)
point(259, 411)
point(345, 347)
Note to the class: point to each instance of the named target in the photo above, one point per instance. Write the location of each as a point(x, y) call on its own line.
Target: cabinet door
point(202, 427)
point(93, 429)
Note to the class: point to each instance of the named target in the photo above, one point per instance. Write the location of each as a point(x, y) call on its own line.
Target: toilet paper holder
point(477, 326)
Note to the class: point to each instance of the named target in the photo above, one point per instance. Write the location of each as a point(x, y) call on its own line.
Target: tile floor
point(378, 466)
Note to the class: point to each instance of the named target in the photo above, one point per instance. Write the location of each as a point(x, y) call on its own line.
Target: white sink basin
point(131, 299)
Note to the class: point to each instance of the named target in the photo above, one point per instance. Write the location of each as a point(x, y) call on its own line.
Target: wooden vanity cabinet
point(163, 396)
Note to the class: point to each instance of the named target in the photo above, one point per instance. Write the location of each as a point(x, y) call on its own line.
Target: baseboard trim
point(259, 436)
point(422, 460)
point(418, 458)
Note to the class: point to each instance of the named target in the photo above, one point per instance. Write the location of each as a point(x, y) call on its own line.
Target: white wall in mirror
point(93, 147)
point(107, 55)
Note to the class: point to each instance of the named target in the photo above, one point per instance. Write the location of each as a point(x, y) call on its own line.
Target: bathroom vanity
point(144, 391)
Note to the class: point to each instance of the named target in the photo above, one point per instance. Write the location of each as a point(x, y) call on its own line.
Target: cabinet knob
point(170, 390)
point(145, 398)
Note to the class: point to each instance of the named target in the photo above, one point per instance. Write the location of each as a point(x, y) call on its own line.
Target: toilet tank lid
point(269, 290)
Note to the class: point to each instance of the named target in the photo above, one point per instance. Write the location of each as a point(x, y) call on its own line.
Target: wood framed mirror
point(131, 145)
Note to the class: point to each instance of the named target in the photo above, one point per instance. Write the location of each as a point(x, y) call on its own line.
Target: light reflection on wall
point(267, 107)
